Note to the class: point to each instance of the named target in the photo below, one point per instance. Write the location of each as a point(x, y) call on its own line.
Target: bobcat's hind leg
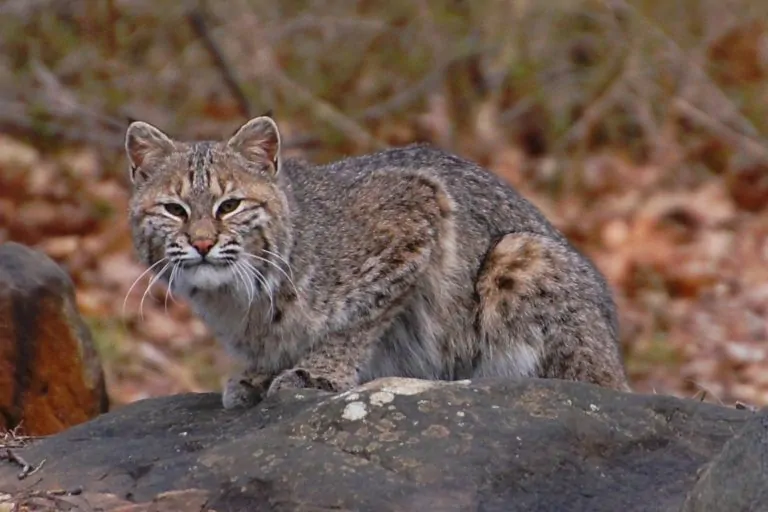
point(545, 312)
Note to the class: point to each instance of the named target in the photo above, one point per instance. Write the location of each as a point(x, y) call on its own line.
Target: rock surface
point(737, 480)
point(392, 445)
point(50, 374)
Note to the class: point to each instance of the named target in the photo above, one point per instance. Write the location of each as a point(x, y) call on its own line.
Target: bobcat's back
point(494, 231)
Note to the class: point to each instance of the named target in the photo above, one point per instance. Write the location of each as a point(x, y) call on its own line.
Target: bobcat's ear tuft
point(144, 142)
point(258, 140)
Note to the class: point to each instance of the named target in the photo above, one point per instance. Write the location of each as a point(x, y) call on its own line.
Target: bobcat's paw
point(299, 378)
point(242, 391)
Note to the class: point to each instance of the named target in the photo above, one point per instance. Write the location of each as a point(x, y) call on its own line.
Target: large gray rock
point(737, 479)
point(394, 445)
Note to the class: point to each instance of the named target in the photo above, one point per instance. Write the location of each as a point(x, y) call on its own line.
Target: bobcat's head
point(206, 215)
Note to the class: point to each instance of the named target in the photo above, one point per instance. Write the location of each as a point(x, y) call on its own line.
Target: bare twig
point(16, 115)
point(63, 114)
point(706, 390)
point(696, 75)
point(197, 22)
point(55, 111)
point(12, 438)
point(702, 395)
point(270, 75)
point(611, 89)
point(414, 93)
point(287, 29)
point(351, 129)
point(747, 144)
point(65, 103)
point(23, 8)
point(270, 72)
point(742, 406)
point(26, 468)
point(56, 492)
point(33, 498)
point(600, 104)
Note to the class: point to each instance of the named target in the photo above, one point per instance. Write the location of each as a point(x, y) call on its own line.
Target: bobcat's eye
point(227, 206)
point(176, 210)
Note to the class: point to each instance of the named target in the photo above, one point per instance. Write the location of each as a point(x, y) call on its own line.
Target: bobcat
point(409, 262)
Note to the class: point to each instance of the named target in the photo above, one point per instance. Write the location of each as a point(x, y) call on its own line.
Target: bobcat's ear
point(144, 142)
point(258, 140)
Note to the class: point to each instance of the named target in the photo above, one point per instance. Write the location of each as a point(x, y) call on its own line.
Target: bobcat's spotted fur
point(408, 262)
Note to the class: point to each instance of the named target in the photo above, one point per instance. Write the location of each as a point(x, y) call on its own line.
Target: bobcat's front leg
point(331, 366)
point(245, 389)
point(398, 254)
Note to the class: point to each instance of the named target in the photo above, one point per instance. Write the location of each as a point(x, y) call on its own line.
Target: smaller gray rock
point(735, 480)
point(50, 373)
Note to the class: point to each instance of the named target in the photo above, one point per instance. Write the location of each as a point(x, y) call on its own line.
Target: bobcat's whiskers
point(151, 284)
point(278, 267)
point(242, 276)
point(281, 258)
point(254, 273)
point(169, 288)
point(136, 281)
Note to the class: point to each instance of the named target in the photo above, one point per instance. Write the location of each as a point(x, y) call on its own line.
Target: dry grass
point(638, 127)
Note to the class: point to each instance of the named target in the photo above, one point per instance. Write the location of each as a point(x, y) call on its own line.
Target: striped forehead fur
point(200, 165)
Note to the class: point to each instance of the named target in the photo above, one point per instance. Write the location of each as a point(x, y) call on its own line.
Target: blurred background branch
point(198, 24)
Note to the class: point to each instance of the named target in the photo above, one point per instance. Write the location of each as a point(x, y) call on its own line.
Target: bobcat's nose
point(203, 246)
